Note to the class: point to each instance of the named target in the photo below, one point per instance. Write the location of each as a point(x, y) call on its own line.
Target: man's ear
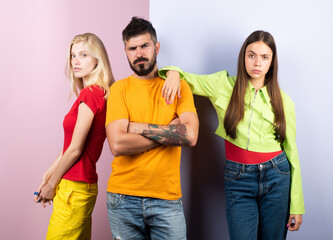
point(157, 46)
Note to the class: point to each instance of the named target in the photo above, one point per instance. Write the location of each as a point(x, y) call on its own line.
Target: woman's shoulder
point(223, 76)
point(285, 98)
point(224, 81)
point(94, 92)
point(288, 104)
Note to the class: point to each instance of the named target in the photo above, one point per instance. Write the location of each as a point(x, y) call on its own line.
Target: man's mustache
point(140, 59)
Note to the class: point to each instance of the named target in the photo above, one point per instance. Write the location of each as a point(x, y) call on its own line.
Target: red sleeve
point(93, 97)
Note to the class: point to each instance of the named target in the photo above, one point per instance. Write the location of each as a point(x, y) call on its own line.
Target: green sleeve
point(289, 146)
point(202, 85)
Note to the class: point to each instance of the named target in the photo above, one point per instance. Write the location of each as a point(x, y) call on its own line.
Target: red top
point(84, 169)
point(240, 155)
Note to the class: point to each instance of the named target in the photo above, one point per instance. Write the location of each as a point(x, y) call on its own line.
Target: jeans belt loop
point(243, 168)
point(273, 163)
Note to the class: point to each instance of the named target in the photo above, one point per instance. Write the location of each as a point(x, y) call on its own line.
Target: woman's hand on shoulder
point(294, 222)
point(171, 86)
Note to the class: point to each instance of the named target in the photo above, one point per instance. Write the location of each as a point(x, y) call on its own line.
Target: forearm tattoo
point(171, 135)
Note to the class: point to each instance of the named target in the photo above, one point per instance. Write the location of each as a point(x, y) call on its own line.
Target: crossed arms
point(130, 138)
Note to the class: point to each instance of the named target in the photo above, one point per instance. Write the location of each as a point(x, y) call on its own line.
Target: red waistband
point(240, 155)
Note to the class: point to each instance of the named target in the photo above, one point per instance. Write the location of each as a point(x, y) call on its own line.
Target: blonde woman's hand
point(37, 197)
point(46, 194)
point(171, 86)
point(294, 222)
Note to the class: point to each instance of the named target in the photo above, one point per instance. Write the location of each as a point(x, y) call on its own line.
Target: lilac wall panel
point(205, 37)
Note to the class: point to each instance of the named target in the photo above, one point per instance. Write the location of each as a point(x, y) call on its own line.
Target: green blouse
point(256, 131)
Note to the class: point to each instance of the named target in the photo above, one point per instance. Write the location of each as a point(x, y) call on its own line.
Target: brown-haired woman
point(257, 120)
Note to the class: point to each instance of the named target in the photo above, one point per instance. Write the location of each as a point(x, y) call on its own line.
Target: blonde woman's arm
point(83, 123)
point(46, 178)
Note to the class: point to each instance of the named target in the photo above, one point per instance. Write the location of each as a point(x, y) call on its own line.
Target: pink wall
point(34, 99)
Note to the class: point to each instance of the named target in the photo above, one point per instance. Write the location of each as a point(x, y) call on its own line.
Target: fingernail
point(36, 193)
point(287, 225)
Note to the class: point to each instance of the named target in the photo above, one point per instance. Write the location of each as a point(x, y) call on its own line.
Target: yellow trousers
point(72, 208)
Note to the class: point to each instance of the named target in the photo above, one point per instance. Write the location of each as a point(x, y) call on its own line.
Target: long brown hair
point(235, 111)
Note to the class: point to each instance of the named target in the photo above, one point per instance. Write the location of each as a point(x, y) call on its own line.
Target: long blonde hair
point(101, 75)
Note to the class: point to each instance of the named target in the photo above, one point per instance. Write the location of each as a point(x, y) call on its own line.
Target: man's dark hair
point(139, 26)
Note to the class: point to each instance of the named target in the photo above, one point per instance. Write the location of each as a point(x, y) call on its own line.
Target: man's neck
point(151, 75)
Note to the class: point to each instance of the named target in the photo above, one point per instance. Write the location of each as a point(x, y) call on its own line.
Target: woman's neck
point(84, 82)
point(257, 83)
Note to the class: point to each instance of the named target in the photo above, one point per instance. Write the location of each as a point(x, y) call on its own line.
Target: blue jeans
point(139, 218)
point(257, 199)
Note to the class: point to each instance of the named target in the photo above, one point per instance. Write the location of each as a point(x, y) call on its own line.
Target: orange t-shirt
point(154, 173)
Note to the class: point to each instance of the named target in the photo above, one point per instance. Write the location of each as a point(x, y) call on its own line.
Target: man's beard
point(142, 71)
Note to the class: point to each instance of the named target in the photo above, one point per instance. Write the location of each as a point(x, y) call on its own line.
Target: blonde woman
point(71, 181)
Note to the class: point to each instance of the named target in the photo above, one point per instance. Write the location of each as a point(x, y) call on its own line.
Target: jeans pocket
point(114, 199)
point(231, 173)
point(283, 167)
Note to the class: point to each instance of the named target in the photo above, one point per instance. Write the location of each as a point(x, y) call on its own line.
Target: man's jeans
point(257, 199)
point(139, 218)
